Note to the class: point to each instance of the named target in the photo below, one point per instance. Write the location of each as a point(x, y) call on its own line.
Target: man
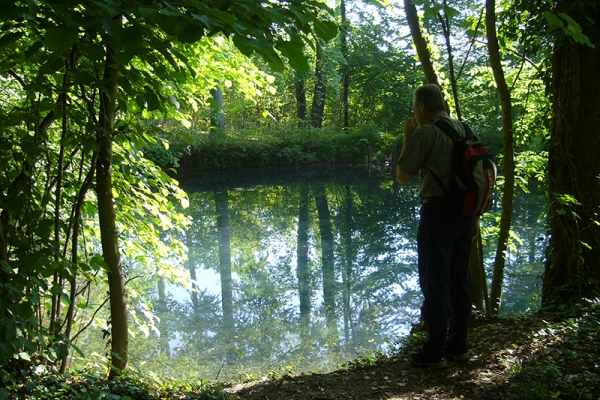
point(444, 235)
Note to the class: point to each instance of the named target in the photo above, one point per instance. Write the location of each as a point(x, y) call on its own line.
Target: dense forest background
point(103, 102)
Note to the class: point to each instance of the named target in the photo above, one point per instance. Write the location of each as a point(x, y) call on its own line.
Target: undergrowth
point(565, 357)
point(288, 147)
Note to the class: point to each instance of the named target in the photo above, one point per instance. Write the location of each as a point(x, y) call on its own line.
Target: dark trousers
point(444, 247)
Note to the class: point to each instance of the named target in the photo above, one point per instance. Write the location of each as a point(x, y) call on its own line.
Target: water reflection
point(308, 269)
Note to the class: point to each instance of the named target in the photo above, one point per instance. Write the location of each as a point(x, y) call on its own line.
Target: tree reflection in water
point(311, 269)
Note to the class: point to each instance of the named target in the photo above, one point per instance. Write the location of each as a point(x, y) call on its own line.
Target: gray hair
point(430, 95)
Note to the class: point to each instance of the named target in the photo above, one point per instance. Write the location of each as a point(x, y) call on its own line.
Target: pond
point(307, 269)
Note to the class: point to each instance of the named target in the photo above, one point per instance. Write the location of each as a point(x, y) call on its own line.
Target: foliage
point(60, 60)
point(568, 365)
point(53, 277)
point(287, 147)
point(90, 385)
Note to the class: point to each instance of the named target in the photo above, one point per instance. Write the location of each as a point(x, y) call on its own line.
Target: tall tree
point(217, 117)
point(222, 211)
point(416, 32)
point(107, 216)
point(109, 48)
point(344, 28)
point(302, 267)
point(320, 91)
point(572, 269)
point(509, 163)
point(327, 256)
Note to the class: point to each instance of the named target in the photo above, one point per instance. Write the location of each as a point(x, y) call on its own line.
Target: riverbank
point(538, 356)
point(541, 356)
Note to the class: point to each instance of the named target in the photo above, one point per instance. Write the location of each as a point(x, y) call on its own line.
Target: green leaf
point(152, 101)
point(574, 30)
point(451, 12)
point(326, 30)
point(94, 51)
point(53, 64)
point(10, 333)
point(191, 33)
point(148, 10)
point(60, 38)
point(10, 38)
point(84, 78)
point(10, 12)
point(33, 49)
point(294, 52)
point(61, 350)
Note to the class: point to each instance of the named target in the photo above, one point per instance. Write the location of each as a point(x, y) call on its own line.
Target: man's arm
point(402, 176)
point(410, 125)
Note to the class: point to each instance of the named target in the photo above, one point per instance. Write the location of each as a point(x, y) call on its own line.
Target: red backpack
point(474, 169)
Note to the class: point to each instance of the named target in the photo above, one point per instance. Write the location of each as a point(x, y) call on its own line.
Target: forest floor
point(540, 356)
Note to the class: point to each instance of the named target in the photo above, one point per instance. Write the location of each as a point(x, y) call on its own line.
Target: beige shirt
point(430, 149)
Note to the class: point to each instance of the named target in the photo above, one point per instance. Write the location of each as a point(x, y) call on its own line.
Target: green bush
point(287, 147)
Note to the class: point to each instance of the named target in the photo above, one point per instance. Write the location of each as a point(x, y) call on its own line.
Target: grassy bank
point(288, 147)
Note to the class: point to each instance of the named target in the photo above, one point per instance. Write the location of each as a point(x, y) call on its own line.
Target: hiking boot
point(457, 356)
point(422, 359)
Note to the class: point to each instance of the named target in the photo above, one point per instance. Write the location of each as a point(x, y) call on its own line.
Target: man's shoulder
point(456, 124)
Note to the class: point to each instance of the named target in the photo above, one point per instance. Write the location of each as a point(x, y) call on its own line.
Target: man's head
point(428, 100)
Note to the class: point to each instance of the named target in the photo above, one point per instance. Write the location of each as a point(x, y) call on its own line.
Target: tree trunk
point(217, 119)
point(222, 205)
point(86, 185)
point(326, 254)
point(345, 77)
point(572, 269)
point(318, 104)
point(300, 98)
point(509, 163)
point(163, 327)
point(107, 218)
point(302, 269)
point(445, 22)
point(347, 271)
point(420, 42)
point(479, 280)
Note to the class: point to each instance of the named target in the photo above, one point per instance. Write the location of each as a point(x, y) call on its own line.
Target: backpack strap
point(449, 130)
point(456, 138)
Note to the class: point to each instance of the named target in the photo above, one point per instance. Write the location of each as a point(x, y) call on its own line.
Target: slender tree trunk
point(318, 104)
point(85, 187)
point(345, 70)
point(481, 299)
point(217, 119)
point(420, 43)
point(509, 163)
point(300, 98)
point(56, 303)
point(327, 257)
point(572, 269)
point(302, 269)
point(347, 272)
point(107, 218)
point(222, 204)
point(163, 326)
point(445, 22)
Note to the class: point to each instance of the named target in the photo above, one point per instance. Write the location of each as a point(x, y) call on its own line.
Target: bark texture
point(508, 190)
point(572, 269)
point(107, 219)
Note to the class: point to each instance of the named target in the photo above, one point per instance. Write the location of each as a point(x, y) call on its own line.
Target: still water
point(306, 270)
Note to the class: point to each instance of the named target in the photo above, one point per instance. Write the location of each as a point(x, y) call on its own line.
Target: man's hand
point(410, 126)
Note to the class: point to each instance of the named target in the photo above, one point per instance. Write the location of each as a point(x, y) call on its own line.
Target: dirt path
point(495, 348)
